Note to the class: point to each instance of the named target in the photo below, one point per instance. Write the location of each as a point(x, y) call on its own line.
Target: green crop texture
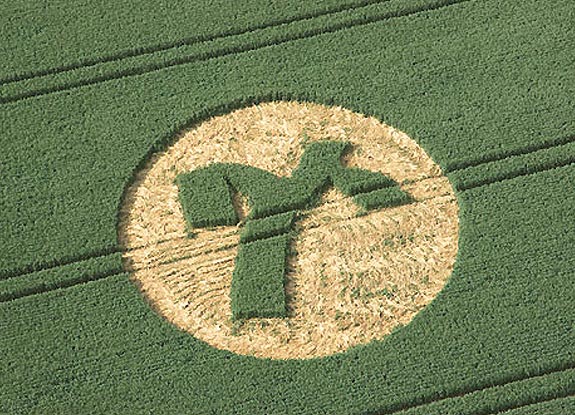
point(258, 282)
point(268, 226)
point(90, 90)
point(392, 196)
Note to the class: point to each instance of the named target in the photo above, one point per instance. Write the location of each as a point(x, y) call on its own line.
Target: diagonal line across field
point(456, 176)
point(147, 50)
point(564, 140)
point(527, 161)
point(533, 405)
point(546, 386)
point(108, 70)
point(108, 253)
point(564, 404)
point(537, 385)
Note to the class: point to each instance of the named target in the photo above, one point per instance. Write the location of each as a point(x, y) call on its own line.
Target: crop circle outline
point(419, 175)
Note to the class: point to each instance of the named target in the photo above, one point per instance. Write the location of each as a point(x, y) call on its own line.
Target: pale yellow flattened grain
point(353, 279)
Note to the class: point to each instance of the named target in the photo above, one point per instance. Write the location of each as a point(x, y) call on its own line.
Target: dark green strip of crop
point(60, 277)
point(355, 181)
point(502, 398)
point(267, 227)
point(546, 144)
point(258, 280)
point(41, 264)
point(250, 41)
point(389, 197)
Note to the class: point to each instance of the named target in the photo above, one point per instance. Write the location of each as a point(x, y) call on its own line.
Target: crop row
point(60, 277)
point(147, 59)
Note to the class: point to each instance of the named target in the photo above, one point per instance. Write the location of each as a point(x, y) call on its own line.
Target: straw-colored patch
point(352, 279)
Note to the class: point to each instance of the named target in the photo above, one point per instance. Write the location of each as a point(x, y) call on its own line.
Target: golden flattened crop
point(353, 276)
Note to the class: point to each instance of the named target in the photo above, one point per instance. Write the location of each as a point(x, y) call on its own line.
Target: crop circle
point(353, 276)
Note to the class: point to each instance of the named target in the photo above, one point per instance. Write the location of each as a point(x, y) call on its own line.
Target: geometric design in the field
point(353, 273)
point(207, 194)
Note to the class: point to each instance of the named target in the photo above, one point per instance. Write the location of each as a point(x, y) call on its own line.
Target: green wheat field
point(89, 90)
